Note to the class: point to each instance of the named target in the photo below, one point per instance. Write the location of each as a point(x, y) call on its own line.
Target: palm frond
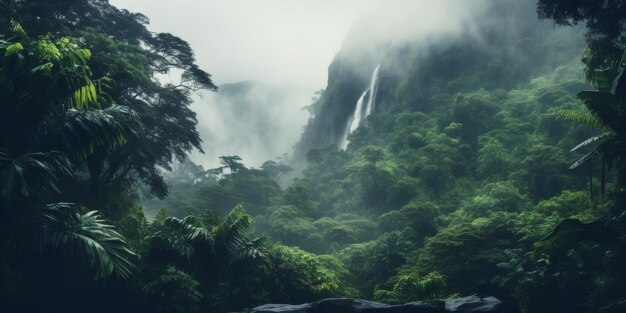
point(233, 235)
point(195, 229)
point(84, 130)
point(250, 252)
point(180, 236)
point(583, 118)
point(237, 221)
point(571, 232)
point(93, 94)
point(26, 175)
point(584, 159)
point(87, 236)
point(594, 139)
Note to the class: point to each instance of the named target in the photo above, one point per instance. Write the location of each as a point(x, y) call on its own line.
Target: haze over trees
point(485, 166)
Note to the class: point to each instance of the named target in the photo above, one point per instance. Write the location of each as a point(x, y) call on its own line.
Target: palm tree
point(198, 247)
point(52, 116)
point(188, 250)
point(607, 112)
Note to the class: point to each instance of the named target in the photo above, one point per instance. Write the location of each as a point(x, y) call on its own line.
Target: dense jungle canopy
point(492, 161)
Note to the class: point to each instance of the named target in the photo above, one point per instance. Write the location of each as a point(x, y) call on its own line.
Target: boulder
point(342, 305)
point(282, 308)
point(471, 304)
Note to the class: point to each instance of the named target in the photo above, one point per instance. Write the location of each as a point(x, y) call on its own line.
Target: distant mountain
point(251, 119)
point(505, 45)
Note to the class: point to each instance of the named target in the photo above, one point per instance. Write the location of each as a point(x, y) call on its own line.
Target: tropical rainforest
point(493, 162)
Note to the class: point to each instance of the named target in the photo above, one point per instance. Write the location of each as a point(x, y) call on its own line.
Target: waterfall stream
point(360, 111)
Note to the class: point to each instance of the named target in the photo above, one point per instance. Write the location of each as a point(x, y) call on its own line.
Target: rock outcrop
point(471, 304)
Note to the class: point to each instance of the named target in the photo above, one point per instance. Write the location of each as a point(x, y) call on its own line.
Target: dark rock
point(343, 305)
point(282, 308)
point(418, 307)
point(471, 304)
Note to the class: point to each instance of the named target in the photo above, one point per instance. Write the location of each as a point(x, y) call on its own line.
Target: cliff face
point(499, 49)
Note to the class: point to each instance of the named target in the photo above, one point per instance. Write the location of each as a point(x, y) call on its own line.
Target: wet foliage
point(483, 168)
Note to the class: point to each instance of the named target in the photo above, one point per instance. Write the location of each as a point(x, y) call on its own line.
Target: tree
point(606, 28)
point(438, 161)
point(605, 60)
point(492, 159)
point(53, 116)
point(223, 257)
point(475, 113)
point(124, 49)
point(275, 169)
point(606, 106)
point(199, 247)
point(232, 163)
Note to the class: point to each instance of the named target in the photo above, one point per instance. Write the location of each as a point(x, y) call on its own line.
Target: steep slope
point(503, 45)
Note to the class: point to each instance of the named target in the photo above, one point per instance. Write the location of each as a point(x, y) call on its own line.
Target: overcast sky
point(277, 41)
point(284, 43)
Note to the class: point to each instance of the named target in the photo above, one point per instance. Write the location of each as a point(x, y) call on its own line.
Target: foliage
point(173, 291)
point(123, 49)
point(53, 117)
point(606, 107)
point(87, 237)
point(605, 22)
point(411, 287)
point(457, 183)
point(304, 276)
point(47, 131)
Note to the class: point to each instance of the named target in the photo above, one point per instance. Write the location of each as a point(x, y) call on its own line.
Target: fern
point(583, 118)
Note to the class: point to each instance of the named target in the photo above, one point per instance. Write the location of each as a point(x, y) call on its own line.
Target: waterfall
point(360, 111)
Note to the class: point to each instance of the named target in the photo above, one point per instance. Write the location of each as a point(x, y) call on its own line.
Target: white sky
point(276, 41)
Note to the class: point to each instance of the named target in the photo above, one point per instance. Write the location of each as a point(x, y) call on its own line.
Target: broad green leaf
point(571, 232)
point(13, 49)
point(45, 68)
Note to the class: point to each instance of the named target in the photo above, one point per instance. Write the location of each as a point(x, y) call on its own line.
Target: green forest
point(493, 167)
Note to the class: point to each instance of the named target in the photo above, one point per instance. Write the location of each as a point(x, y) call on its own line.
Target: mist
point(286, 47)
point(254, 120)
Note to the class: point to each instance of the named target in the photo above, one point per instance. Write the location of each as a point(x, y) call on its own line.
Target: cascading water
point(361, 112)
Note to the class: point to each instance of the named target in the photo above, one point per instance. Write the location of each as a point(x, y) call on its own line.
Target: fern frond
point(583, 118)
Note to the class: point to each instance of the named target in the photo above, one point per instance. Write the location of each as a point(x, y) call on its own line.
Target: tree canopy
point(124, 50)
